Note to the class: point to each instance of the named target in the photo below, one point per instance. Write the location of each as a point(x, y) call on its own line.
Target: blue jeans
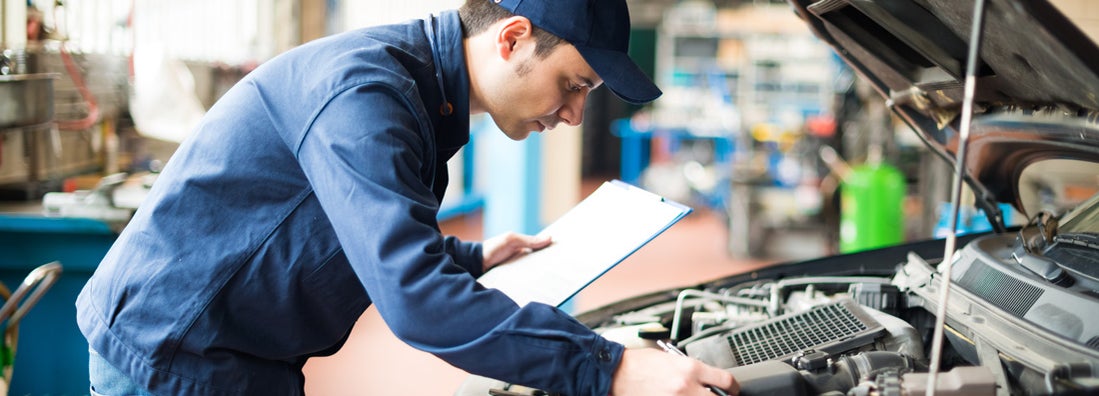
point(109, 381)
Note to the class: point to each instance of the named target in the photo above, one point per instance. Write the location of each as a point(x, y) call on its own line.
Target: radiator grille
point(831, 328)
point(1003, 291)
point(1093, 343)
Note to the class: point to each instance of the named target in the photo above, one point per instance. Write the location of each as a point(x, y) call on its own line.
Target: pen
point(673, 350)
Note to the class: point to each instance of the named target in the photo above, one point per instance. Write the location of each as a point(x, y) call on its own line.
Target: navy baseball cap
point(600, 31)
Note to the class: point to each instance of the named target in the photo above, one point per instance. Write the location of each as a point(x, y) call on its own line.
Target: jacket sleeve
point(366, 155)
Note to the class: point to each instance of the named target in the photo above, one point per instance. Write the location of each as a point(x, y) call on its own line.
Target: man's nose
point(572, 113)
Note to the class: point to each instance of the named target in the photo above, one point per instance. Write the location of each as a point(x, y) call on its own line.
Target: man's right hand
point(646, 371)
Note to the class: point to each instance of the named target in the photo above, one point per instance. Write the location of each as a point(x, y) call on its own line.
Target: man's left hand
point(502, 248)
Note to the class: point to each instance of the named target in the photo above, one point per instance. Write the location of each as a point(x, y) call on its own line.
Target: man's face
point(535, 94)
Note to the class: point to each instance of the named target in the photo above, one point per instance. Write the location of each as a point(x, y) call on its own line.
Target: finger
point(733, 389)
point(721, 379)
point(532, 241)
point(540, 241)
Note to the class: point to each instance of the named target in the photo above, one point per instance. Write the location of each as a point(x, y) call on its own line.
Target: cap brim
point(621, 75)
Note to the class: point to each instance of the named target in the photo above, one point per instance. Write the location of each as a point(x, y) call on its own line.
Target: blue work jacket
point(308, 192)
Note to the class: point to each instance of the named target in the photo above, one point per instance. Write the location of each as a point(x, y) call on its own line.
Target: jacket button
point(604, 355)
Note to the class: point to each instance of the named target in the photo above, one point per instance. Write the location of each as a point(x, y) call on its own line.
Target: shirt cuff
point(606, 356)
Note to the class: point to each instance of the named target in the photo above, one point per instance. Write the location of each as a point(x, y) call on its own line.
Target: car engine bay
point(864, 327)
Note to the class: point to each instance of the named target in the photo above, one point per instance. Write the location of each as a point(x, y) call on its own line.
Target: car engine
point(857, 327)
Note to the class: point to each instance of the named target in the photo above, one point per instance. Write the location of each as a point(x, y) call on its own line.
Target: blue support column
point(514, 188)
point(635, 150)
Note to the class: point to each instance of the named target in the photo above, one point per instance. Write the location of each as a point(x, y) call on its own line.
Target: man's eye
point(574, 88)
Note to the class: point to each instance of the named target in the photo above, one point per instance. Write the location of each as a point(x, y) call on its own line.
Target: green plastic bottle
point(871, 207)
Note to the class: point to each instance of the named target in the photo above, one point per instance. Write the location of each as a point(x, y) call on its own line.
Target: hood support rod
point(956, 192)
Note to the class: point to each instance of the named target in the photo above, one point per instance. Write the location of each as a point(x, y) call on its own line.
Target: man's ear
point(514, 35)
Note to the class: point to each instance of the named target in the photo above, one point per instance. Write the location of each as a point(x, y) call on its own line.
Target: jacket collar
point(444, 33)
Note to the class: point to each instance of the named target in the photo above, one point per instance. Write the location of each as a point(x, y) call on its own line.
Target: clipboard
point(594, 236)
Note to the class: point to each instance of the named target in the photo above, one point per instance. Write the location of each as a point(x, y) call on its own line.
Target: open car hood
point(1037, 93)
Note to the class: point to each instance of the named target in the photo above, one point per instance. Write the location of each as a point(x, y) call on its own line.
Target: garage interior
point(759, 127)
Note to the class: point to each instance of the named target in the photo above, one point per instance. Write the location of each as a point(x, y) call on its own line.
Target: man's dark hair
point(478, 15)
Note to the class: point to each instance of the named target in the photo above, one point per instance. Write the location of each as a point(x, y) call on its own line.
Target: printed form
point(589, 240)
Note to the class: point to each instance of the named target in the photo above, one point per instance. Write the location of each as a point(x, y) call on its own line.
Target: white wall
point(13, 33)
point(233, 32)
point(363, 13)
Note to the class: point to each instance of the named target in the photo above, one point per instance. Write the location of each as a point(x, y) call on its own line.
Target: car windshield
point(1082, 220)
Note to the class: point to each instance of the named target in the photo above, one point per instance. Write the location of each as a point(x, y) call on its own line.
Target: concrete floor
point(374, 362)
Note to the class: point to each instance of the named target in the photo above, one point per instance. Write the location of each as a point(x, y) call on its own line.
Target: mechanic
point(310, 190)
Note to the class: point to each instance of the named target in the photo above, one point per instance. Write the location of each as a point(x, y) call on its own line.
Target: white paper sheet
point(590, 239)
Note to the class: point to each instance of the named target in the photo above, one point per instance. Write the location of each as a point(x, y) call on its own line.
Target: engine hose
point(847, 371)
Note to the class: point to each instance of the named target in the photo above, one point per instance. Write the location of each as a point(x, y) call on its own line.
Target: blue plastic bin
point(52, 355)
